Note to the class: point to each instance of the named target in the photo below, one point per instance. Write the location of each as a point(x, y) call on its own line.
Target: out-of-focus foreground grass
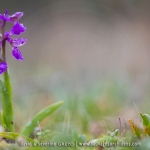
point(89, 110)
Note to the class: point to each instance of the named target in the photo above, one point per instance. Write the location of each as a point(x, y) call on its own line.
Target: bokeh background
point(93, 54)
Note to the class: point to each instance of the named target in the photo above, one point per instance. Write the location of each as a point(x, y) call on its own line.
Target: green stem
point(7, 90)
point(7, 83)
point(7, 115)
point(2, 119)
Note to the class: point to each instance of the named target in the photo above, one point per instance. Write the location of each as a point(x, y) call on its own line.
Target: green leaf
point(7, 107)
point(27, 130)
point(14, 136)
point(146, 123)
point(146, 119)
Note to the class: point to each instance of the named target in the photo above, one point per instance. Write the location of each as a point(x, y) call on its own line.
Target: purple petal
point(16, 53)
point(7, 34)
point(3, 67)
point(1, 21)
point(18, 28)
point(0, 39)
point(6, 12)
point(17, 42)
point(15, 17)
point(4, 18)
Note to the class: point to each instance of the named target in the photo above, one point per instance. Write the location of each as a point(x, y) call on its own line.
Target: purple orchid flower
point(16, 29)
point(15, 43)
point(13, 18)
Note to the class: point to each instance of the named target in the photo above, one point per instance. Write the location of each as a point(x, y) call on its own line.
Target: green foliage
point(7, 113)
point(3, 122)
point(146, 119)
point(27, 130)
point(46, 134)
point(146, 123)
point(106, 140)
point(7, 83)
point(14, 136)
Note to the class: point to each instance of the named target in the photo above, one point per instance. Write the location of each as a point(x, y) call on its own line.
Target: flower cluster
point(16, 29)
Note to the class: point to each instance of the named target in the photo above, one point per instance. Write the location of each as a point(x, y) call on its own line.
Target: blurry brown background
point(80, 42)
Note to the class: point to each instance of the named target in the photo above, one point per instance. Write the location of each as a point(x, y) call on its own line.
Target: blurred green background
point(93, 54)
